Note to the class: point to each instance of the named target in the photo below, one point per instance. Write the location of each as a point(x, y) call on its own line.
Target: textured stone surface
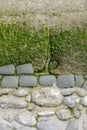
point(71, 101)
point(72, 125)
point(67, 91)
point(47, 97)
point(81, 92)
point(64, 114)
point(85, 85)
point(28, 98)
point(65, 81)
point(25, 69)
point(8, 69)
point(79, 80)
point(46, 113)
point(5, 127)
point(49, 125)
point(76, 114)
point(26, 128)
point(84, 101)
point(27, 81)
point(4, 91)
point(84, 124)
point(12, 102)
point(21, 92)
point(10, 81)
point(47, 80)
point(26, 118)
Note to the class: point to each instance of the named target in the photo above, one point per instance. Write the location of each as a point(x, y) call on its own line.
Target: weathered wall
point(36, 12)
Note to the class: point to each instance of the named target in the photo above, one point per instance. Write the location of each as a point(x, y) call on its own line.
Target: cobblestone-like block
point(47, 80)
point(25, 69)
point(27, 81)
point(7, 70)
point(10, 81)
point(79, 80)
point(65, 81)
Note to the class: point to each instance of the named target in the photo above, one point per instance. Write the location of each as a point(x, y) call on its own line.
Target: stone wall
point(24, 76)
point(41, 102)
point(45, 12)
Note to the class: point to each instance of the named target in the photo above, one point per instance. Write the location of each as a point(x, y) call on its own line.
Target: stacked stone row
point(23, 76)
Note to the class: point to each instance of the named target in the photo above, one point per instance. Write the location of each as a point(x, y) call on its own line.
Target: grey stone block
point(10, 81)
point(47, 80)
point(27, 81)
point(7, 69)
point(65, 81)
point(79, 80)
point(25, 69)
point(85, 76)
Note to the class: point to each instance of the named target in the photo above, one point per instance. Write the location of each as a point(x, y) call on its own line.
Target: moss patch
point(19, 44)
point(69, 50)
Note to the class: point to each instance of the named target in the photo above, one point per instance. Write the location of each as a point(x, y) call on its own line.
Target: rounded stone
point(21, 92)
point(77, 114)
point(48, 97)
point(46, 113)
point(49, 125)
point(67, 91)
point(72, 125)
point(64, 114)
point(84, 101)
point(71, 101)
point(81, 92)
point(12, 102)
point(26, 118)
point(28, 98)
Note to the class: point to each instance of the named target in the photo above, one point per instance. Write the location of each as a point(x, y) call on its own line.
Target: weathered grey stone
point(12, 102)
point(79, 80)
point(4, 91)
point(26, 118)
point(25, 69)
point(76, 114)
point(84, 101)
point(47, 80)
point(85, 85)
point(21, 92)
point(7, 70)
point(64, 114)
point(47, 97)
point(28, 98)
point(49, 125)
point(27, 81)
point(71, 101)
point(72, 125)
point(81, 92)
point(10, 81)
point(85, 76)
point(65, 81)
point(79, 107)
point(84, 124)
point(5, 127)
point(67, 91)
point(26, 128)
point(31, 106)
point(46, 113)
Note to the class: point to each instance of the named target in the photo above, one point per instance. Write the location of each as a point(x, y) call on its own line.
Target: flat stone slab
point(47, 80)
point(26, 118)
point(47, 97)
point(10, 81)
point(27, 81)
point(49, 125)
point(12, 102)
point(7, 70)
point(25, 69)
point(65, 81)
point(72, 125)
point(79, 80)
